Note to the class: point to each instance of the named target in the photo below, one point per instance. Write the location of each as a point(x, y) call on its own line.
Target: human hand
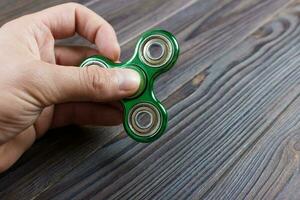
point(39, 88)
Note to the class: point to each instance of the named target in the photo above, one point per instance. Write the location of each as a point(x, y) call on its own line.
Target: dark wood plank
point(13, 9)
point(130, 18)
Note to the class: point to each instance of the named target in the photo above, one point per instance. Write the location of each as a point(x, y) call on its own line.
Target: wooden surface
point(233, 100)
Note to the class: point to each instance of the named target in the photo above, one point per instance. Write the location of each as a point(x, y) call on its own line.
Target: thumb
point(60, 84)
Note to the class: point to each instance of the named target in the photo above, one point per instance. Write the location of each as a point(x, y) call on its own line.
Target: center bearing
point(139, 123)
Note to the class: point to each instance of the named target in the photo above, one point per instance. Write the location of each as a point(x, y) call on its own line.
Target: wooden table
point(233, 100)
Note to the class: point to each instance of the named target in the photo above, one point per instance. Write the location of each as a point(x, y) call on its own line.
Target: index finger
point(67, 19)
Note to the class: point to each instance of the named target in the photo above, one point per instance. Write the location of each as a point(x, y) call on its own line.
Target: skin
point(40, 87)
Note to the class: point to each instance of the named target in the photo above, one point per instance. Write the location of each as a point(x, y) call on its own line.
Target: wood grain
point(232, 99)
point(232, 138)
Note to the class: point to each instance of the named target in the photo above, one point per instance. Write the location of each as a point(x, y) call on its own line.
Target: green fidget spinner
point(145, 119)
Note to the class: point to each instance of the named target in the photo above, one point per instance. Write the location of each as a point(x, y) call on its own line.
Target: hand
point(39, 87)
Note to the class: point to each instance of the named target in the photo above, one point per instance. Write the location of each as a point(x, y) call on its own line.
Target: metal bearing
point(153, 124)
point(145, 50)
point(95, 62)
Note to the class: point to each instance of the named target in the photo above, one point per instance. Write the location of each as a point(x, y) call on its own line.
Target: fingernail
point(128, 79)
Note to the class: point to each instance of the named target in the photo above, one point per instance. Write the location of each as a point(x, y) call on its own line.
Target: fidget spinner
point(145, 118)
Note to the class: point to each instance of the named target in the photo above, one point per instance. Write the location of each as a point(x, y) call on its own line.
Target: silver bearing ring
point(162, 46)
point(144, 119)
point(95, 62)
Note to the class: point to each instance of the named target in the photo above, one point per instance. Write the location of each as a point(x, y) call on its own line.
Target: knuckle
point(96, 78)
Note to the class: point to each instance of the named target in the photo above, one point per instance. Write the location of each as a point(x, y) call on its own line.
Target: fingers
point(11, 151)
point(52, 84)
point(72, 55)
point(64, 114)
point(86, 114)
point(67, 19)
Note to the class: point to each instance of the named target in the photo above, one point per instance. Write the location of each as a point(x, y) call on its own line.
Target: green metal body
point(148, 75)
